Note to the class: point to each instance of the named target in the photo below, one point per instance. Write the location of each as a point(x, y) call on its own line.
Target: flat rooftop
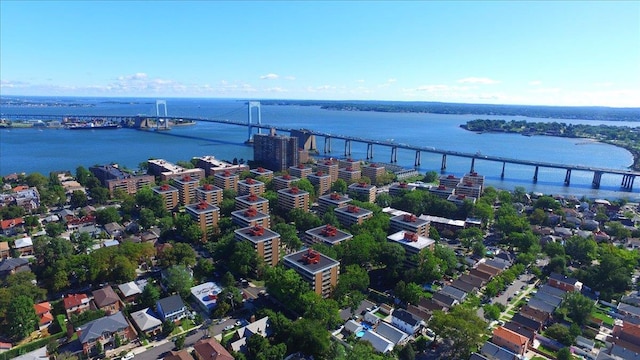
point(421, 242)
point(330, 235)
point(409, 219)
point(297, 260)
point(251, 199)
point(256, 237)
point(249, 216)
point(202, 207)
point(353, 211)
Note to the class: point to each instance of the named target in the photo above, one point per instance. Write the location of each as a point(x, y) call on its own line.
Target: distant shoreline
point(635, 152)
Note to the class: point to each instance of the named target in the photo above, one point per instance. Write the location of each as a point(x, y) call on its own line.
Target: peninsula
point(623, 136)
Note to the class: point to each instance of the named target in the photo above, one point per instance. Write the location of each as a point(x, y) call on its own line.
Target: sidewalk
point(142, 348)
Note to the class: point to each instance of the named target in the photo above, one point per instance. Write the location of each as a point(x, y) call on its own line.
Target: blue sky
point(512, 52)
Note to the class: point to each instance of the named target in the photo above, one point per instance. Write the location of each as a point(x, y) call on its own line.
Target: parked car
point(228, 327)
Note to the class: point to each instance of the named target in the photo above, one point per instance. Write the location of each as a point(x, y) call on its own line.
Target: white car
point(128, 356)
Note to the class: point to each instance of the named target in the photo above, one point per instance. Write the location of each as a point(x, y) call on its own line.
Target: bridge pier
point(473, 165)
point(627, 181)
point(394, 154)
point(416, 162)
point(567, 178)
point(347, 148)
point(535, 175)
point(443, 167)
point(327, 145)
point(502, 173)
point(369, 151)
point(597, 176)
point(251, 105)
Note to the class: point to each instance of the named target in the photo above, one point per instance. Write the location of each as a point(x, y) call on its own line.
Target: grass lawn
point(511, 312)
point(378, 314)
point(185, 325)
point(602, 316)
point(547, 351)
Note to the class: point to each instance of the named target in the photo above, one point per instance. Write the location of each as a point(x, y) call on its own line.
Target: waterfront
point(32, 150)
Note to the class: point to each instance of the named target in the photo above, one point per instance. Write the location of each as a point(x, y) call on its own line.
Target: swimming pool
point(360, 333)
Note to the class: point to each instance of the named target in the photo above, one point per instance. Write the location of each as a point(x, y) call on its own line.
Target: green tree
point(554, 249)
point(339, 186)
point(564, 354)
point(462, 327)
point(107, 215)
point(21, 317)
point(82, 175)
point(408, 293)
point(150, 295)
point(582, 250)
point(407, 353)
point(309, 337)
point(491, 311)
point(430, 177)
point(288, 236)
point(54, 229)
point(179, 280)
point(99, 194)
point(561, 333)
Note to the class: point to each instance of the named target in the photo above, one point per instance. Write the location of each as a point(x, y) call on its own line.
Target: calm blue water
point(31, 150)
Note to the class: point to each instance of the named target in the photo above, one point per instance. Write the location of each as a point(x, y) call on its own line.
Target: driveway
point(517, 285)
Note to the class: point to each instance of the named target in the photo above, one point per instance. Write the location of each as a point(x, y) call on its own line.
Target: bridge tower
point(162, 103)
point(250, 106)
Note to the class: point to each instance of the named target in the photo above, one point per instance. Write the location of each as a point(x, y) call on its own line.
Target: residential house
point(147, 322)
point(492, 351)
point(114, 230)
point(485, 277)
point(476, 282)
point(406, 321)
point(131, 290)
point(179, 355)
point(393, 334)
point(444, 300)
point(260, 327)
point(5, 252)
point(11, 227)
point(210, 349)
point(564, 282)
point(11, 266)
point(531, 313)
point(419, 312)
point(24, 246)
point(379, 343)
point(464, 286)
point(76, 304)
point(107, 300)
point(517, 328)
point(43, 310)
point(510, 340)
point(526, 322)
point(629, 310)
point(430, 305)
point(541, 306)
point(104, 330)
point(171, 308)
point(454, 293)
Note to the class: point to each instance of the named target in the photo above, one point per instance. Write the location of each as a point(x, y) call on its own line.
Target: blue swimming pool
point(360, 334)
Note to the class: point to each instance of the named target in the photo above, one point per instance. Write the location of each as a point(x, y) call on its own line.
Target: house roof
point(210, 349)
point(517, 328)
point(105, 296)
point(145, 319)
point(534, 314)
point(407, 317)
point(629, 309)
point(73, 300)
point(496, 352)
point(9, 223)
point(476, 356)
point(179, 355)
point(453, 292)
point(10, 264)
point(488, 269)
point(554, 291)
point(352, 326)
point(444, 299)
point(379, 343)
point(480, 274)
point(41, 308)
point(475, 281)
point(526, 322)
point(4, 246)
point(94, 329)
point(429, 304)
point(563, 279)
point(498, 264)
point(420, 313)
point(129, 289)
point(549, 299)
point(464, 286)
point(510, 336)
point(541, 305)
point(171, 304)
point(391, 333)
point(23, 242)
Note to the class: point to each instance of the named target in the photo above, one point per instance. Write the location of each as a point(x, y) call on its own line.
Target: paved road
point(517, 285)
point(162, 348)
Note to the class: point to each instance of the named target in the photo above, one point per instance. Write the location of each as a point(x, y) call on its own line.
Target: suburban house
point(171, 308)
point(379, 343)
point(391, 333)
point(11, 227)
point(131, 290)
point(76, 304)
point(147, 322)
point(406, 321)
point(179, 355)
point(11, 266)
point(260, 327)
point(5, 251)
point(107, 300)
point(564, 282)
point(104, 330)
point(494, 352)
point(24, 246)
point(510, 340)
point(210, 349)
point(43, 310)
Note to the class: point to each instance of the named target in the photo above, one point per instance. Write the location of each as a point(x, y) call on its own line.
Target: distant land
point(536, 111)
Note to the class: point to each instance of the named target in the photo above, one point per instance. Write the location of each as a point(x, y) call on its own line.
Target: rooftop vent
point(311, 257)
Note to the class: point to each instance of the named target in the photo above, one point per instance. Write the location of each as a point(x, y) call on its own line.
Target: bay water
point(36, 150)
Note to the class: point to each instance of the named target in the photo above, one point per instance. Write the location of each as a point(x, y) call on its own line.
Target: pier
point(627, 176)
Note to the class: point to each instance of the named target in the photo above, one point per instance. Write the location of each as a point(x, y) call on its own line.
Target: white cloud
point(392, 80)
point(360, 81)
point(535, 83)
point(478, 80)
point(275, 90)
point(270, 76)
point(6, 84)
point(290, 77)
